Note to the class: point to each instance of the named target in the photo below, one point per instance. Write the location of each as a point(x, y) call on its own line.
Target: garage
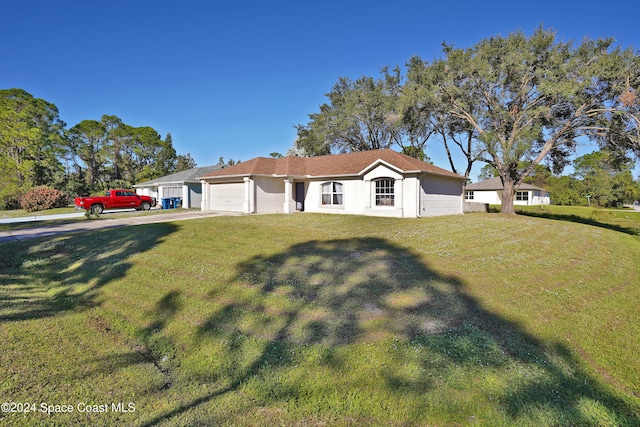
point(227, 197)
point(185, 184)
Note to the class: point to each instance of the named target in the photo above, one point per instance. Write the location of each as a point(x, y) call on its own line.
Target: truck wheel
point(145, 206)
point(97, 209)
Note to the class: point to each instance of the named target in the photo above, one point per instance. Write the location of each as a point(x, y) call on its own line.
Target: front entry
point(299, 196)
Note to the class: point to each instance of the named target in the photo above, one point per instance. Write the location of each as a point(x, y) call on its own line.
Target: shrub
point(9, 201)
point(41, 198)
point(9, 194)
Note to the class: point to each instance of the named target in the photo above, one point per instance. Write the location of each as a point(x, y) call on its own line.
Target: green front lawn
point(625, 220)
point(325, 320)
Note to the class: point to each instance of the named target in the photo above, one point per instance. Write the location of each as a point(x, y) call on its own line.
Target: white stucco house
point(185, 185)
point(490, 191)
point(376, 182)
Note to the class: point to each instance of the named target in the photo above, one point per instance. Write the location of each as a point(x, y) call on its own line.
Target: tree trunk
point(508, 195)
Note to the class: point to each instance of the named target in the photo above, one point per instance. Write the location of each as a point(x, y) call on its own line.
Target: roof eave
point(241, 175)
point(446, 175)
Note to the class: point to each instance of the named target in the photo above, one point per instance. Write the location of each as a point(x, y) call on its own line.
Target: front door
point(299, 196)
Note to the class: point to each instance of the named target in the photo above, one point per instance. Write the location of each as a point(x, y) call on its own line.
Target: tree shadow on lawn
point(44, 277)
point(633, 230)
point(337, 293)
point(48, 278)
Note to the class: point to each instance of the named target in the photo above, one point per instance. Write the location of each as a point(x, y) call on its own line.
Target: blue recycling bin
point(177, 202)
point(166, 203)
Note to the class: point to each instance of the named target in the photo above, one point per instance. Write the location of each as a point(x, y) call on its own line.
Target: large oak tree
point(529, 98)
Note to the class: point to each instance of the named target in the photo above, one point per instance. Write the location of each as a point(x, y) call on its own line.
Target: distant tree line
point(37, 149)
point(510, 102)
point(598, 179)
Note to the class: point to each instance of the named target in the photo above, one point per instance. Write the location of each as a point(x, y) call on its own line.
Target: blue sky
point(231, 78)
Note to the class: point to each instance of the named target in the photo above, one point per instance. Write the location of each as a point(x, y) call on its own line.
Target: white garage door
point(227, 197)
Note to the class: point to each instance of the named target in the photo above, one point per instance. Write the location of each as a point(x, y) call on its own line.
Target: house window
point(332, 194)
point(468, 195)
point(522, 196)
point(385, 192)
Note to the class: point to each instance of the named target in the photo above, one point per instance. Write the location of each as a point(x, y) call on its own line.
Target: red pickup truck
point(115, 199)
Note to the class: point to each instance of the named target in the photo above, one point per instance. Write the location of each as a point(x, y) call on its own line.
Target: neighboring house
point(490, 191)
point(183, 184)
point(377, 182)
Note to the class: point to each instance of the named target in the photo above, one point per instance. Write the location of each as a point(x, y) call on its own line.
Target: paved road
point(88, 225)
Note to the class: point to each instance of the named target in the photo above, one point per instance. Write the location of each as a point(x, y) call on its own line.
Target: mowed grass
point(625, 220)
point(309, 319)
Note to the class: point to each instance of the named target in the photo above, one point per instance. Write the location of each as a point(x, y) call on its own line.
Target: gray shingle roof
point(496, 184)
point(184, 177)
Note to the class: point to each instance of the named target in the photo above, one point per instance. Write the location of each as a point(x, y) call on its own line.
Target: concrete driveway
point(89, 225)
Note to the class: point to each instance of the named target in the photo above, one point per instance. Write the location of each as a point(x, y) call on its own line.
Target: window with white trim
point(332, 194)
point(468, 195)
point(385, 192)
point(522, 196)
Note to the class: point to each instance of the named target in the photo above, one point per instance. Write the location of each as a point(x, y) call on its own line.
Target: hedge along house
point(376, 182)
point(490, 191)
point(185, 185)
